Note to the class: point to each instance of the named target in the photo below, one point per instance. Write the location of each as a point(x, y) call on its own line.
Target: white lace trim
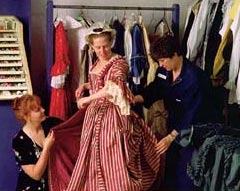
point(58, 81)
point(117, 97)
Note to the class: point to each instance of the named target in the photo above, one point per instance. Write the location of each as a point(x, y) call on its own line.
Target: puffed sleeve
point(23, 150)
point(116, 86)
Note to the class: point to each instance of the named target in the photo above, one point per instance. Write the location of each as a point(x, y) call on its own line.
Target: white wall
point(100, 15)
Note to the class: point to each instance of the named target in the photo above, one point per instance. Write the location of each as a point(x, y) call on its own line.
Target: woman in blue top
point(185, 89)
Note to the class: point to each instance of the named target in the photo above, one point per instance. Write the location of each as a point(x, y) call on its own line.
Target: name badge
point(162, 76)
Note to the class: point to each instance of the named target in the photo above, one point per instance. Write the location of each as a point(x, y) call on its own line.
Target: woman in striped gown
point(117, 151)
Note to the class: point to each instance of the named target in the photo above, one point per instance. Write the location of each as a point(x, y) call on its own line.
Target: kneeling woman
point(32, 144)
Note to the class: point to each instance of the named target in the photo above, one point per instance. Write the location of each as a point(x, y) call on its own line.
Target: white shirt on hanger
point(235, 59)
point(196, 35)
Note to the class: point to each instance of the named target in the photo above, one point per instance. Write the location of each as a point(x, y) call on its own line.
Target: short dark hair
point(165, 47)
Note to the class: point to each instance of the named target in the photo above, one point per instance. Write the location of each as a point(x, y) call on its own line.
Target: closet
point(75, 28)
point(174, 10)
point(211, 40)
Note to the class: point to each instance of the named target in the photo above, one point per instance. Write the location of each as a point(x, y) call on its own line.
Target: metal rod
point(112, 7)
point(49, 49)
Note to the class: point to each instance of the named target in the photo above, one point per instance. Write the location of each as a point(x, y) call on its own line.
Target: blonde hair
point(23, 105)
point(109, 35)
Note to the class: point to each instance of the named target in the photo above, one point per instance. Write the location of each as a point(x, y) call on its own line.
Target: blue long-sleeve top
point(187, 99)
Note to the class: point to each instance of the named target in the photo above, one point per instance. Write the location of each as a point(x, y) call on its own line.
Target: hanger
point(139, 12)
point(133, 18)
point(139, 17)
point(81, 18)
point(56, 16)
point(105, 17)
point(163, 20)
point(152, 21)
point(113, 18)
point(124, 17)
point(57, 20)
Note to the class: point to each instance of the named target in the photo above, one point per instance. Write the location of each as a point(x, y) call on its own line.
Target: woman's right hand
point(83, 102)
point(49, 140)
point(80, 91)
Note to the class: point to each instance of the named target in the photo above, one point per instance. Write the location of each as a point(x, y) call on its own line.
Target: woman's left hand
point(83, 102)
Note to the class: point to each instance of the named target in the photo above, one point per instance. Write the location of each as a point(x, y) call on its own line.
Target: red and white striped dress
point(117, 151)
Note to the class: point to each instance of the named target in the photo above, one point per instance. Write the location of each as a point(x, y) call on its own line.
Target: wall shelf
point(8, 45)
point(10, 64)
point(12, 80)
point(14, 72)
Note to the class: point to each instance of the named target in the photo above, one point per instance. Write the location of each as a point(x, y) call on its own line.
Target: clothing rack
point(111, 7)
point(175, 9)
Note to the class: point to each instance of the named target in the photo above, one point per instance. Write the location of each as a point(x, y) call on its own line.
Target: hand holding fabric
point(79, 93)
point(83, 102)
point(165, 142)
point(49, 140)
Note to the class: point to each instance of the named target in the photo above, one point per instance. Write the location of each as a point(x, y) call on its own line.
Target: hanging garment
point(162, 28)
point(234, 61)
point(215, 166)
point(128, 41)
point(191, 16)
point(76, 32)
point(200, 31)
point(115, 147)
point(219, 59)
point(157, 119)
point(119, 40)
point(214, 40)
point(139, 65)
point(212, 15)
point(138, 60)
point(152, 65)
point(226, 32)
point(60, 103)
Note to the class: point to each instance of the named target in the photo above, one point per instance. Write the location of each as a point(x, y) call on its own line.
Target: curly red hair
point(23, 105)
